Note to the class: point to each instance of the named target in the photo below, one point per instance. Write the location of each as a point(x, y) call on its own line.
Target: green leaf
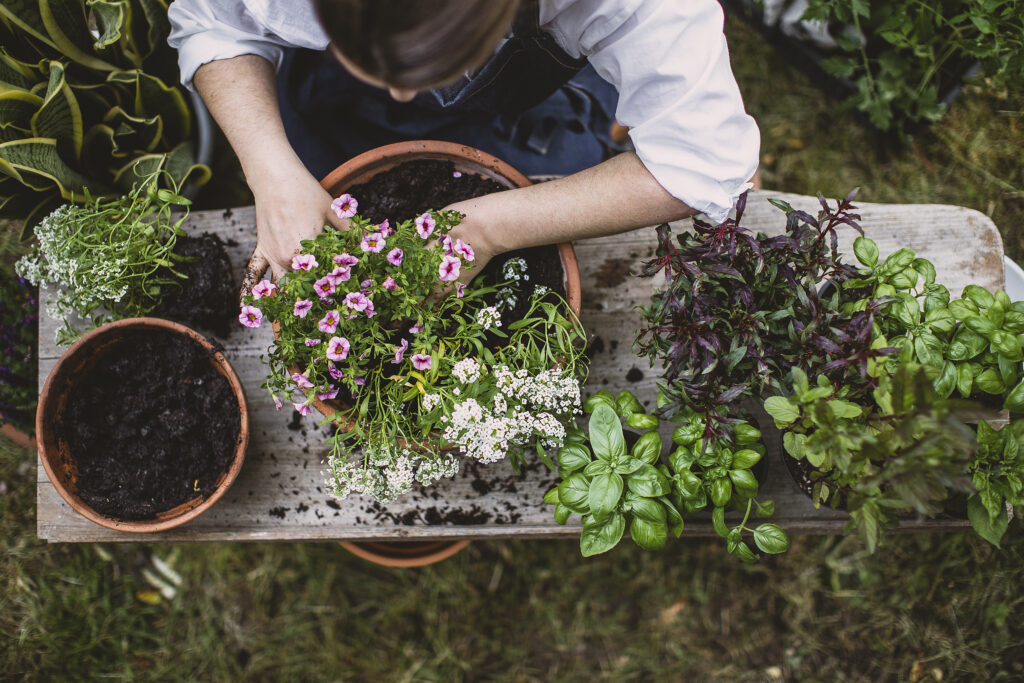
point(795, 444)
point(866, 251)
point(1015, 399)
point(1007, 345)
point(562, 514)
point(744, 481)
point(782, 410)
point(844, 409)
point(551, 497)
point(979, 296)
point(601, 536)
point(980, 325)
point(648, 447)
point(718, 522)
point(965, 380)
point(573, 457)
point(606, 434)
point(687, 434)
point(36, 163)
point(629, 466)
point(598, 467)
point(626, 404)
point(648, 509)
point(720, 491)
point(745, 459)
point(771, 539)
point(963, 309)
point(765, 509)
point(742, 551)
point(601, 397)
point(946, 382)
point(925, 268)
point(109, 20)
point(642, 421)
point(648, 482)
point(574, 492)
point(674, 519)
point(605, 492)
point(746, 434)
point(68, 28)
point(990, 382)
point(648, 535)
point(927, 349)
point(990, 529)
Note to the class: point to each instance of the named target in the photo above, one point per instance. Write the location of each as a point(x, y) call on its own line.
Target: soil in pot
point(151, 424)
point(207, 298)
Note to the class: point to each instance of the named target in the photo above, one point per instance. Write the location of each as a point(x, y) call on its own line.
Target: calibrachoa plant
point(419, 377)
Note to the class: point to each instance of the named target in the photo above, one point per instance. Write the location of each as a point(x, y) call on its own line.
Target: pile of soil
point(151, 424)
point(207, 299)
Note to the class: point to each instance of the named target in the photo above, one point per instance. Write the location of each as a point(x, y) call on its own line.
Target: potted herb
point(142, 425)
point(997, 472)
point(616, 480)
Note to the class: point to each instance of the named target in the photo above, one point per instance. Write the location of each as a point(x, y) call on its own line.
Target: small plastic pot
point(56, 454)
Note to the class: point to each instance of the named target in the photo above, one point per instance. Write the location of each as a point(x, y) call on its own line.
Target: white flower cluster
point(515, 269)
point(388, 472)
point(431, 401)
point(467, 370)
point(548, 390)
point(540, 290)
point(488, 317)
point(506, 299)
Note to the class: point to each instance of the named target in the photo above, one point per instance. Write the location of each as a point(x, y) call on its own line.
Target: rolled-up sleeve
point(677, 94)
point(205, 31)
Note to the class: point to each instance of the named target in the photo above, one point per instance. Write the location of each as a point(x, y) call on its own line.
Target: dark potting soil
point(207, 298)
point(152, 425)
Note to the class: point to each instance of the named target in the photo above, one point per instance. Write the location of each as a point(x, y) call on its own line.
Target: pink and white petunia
point(449, 268)
point(385, 228)
point(425, 225)
point(400, 351)
point(313, 342)
point(366, 284)
point(302, 408)
point(460, 290)
point(338, 348)
point(329, 323)
point(345, 206)
point(305, 262)
point(395, 256)
point(359, 381)
point(464, 250)
point(302, 307)
point(328, 395)
point(301, 380)
point(250, 316)
point(421, 361)
point(263, 288)
point(373, 243)
point(456, 174)
point(448, 245)
point(416, 329)
point(357, 301)
point(389, 283)
point(277, 403)
point(324, 287)
point(335, 372)
point(345, 259)
point(339, 275)
point(370, 310)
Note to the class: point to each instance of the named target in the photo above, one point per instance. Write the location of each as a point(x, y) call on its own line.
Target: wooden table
point(280, 493)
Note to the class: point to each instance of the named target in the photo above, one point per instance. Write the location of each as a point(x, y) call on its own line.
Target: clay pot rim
point(435, 552)
point(361, 168)
point(44, 435)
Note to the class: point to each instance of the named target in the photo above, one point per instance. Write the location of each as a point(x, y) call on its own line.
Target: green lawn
point(931, 607)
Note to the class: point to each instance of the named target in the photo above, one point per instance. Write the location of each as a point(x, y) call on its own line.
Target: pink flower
point(389, 282)
point(395, 256)
point(263, 288)
point(449, 268)
point(446, 244)
point(324, 287)
point(313, 342)
point(359, 381)
point(302, 307)
point(425, 225)
point(456, 174)
point(373, 243)
point(366, 284)
point(335, 372)
point(301, 380)
point(357, 301)
point(328, 395)
point(338, 348)
point(400, 351)
point(250, 316)
point(329, 323)
point(385, 228)
point(305, 262)
point(416, 329)
point(370, 310)
point(421, 361)
point(345, 259)
point(345, 206)
point(302, 408)
point(277, 403)
point(460, 290)
point(339, 275)
point(464, 250)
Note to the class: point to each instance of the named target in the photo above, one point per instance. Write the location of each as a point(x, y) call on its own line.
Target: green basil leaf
point(746, 434)
point(946, 382)
point(688, 484)
point(745, 459)
point(647, 448)
point(551, 497)
point(995, 314)
point(765, 509)
point(866, 251)
point(771, 539)
point(601, 536)
point(979, 296)
point(962, 309)
point(898, 260)
point(905, 280)
point(1013, 322)
point(782, 410)
point(674, 518)
point(573, 457)
point(718, 522)
point(626, 404)
point(990, 529)
point(936, 297)
point(647, 535)
point(926, 348)
point(642, 421)
point(720, 491)
point(648, 482)
point(844, 409)
point(649, 509)
point(925, 268)
point(1009, 371)
point(1003, 299)
point(965, 380)
point(681, 459)
point(598, 467)
point(685, 435)
point(573, 493)
point(744, 481)
point(972, 342)
point(1007, 345)
point(629, 465)
point(940, 320)
point(600, 398)
point(979, 324)
point(606, 434)
point(1015, 399)
point(605, 492)
point(742, 551)
point(562, 514)
point(990, 382)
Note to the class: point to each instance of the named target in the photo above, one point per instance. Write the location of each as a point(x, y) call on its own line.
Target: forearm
point(241, 94)
point(615, 196)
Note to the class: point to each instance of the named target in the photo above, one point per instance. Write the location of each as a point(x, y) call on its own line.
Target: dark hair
point(416, 44)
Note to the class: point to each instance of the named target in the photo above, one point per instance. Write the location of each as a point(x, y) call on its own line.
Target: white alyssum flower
point(515, 269)
point(488, 317)
point(506, 299)
point(467, 370)
point(431, 401)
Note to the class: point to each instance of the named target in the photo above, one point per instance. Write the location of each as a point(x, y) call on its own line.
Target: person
point(354, 74)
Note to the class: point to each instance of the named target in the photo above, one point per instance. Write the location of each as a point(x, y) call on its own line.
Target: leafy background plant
point(82, 110)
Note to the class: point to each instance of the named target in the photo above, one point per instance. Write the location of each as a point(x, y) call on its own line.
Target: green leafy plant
point(997, 472)
point(901, 454)
point(109, 258)
point(82, 109)
point(615, 486)
point(901, 55)
point(412, 375)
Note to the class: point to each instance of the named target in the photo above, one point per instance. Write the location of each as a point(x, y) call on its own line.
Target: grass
point(923, 608)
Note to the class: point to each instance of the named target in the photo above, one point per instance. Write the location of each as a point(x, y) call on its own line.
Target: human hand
point(291, 206)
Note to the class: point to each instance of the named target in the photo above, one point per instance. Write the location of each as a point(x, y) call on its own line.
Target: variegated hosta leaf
point(17, 107)
point(37, 164)
point(68, 29)
point(59, 117)
point(110, 20)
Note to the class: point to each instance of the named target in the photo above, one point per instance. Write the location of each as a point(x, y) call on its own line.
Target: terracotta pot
point(404, 555)
point(56, 453)
point(362, 168)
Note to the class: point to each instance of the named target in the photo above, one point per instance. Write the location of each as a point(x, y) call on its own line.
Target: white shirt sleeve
point(207, 30)
point(670, 63)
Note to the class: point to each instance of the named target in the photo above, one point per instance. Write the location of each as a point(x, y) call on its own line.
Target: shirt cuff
point(202, 48)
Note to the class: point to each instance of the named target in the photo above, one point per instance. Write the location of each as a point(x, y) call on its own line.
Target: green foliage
point(997, 472)
point(79, 110)
point(108, 258)
point(19, 320)
point(901, 54)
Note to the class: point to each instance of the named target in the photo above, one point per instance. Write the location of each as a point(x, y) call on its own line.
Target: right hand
point(291, 206)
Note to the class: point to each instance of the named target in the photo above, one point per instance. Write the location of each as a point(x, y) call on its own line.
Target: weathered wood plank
point(280, 493)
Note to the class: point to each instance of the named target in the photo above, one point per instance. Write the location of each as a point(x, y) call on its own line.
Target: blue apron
point(531, 105)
